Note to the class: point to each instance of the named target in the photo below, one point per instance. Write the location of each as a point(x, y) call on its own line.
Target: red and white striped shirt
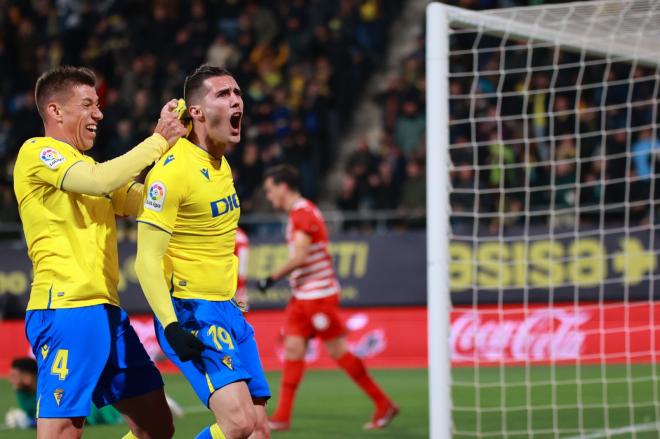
point(316, 278)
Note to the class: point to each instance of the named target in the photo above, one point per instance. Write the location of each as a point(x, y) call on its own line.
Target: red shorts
point(314, 318)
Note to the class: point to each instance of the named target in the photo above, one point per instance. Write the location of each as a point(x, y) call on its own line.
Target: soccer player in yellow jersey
point(188, 230)
point(85, 348)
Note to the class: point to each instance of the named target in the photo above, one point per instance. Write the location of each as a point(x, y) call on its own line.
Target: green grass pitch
point(330, 406)
point(566, 401)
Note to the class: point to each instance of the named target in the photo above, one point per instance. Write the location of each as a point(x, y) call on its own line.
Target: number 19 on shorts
point(220, 337)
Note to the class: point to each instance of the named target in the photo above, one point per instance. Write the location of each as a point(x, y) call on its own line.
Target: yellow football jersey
point(71, 237)
point(191, 196)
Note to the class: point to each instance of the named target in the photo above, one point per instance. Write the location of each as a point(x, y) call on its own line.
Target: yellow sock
point(130, 435)
point(216, 433)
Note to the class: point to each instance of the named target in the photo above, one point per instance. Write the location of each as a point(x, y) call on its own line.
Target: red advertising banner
point(488, 336)
point(514, 335)
point(383, 337)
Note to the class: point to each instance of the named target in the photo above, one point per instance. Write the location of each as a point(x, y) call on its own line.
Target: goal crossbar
point(563, 25)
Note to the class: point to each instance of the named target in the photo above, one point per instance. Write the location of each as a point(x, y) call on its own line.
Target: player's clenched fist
point(169, 126)
point(265, 284)
point(184, 343)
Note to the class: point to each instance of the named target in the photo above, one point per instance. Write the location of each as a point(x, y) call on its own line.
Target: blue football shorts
point(84, 355)
point(232, 353)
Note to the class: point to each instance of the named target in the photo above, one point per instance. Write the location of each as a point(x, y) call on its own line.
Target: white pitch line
point(198, 408)
point(635, 428)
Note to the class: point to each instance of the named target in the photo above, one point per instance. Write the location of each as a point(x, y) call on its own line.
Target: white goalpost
point(543, 206)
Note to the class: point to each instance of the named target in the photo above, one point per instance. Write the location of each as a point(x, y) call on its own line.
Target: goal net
point(543, 211)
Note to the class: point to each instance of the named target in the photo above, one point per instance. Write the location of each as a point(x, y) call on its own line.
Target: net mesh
point(554, 214)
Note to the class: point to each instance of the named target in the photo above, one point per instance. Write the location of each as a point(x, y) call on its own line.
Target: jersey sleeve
point(305, 221)
point(164, 191)
point(127, 200)
point(49, 163)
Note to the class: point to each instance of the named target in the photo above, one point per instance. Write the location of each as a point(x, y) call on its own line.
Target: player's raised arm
point(104, 178)
point(127, 200)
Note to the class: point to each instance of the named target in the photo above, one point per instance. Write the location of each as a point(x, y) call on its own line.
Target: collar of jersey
point(300, 202)
point(199, 152)
point(64, 144)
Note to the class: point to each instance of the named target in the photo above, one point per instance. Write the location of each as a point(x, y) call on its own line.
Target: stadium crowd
point(567, 154)
point(301, 65)
point(589, 150)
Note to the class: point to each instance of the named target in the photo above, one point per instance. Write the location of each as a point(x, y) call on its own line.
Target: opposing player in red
point(313, 310)
point(242, 252)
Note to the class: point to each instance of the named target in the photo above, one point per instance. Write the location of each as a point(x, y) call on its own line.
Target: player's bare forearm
point(287, 268)
point(291, 265)
point(301, 246)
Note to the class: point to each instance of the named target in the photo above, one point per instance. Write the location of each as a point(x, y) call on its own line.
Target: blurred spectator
point(463, 195)
point(348, 197)
point(643, 150)
point(409, 127)
point(125, 137)
point(413, 194)
point(564, 187)
point(501, 159)
point(362, 162)
point(222, 53)
point(248, 175)
point(302, 64)
point(569, 139)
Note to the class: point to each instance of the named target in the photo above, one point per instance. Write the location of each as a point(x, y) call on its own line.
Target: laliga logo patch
point(320, 321)
point(51, 158)
point(155, 196)
point(227, 362)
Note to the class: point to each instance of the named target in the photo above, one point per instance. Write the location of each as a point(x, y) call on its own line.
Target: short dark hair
point(60, 80)
point(25, 364)
point(195, 81)
point(286, 174)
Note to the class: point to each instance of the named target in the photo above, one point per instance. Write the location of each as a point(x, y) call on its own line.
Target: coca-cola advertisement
point(566, 334)
point(537, 335)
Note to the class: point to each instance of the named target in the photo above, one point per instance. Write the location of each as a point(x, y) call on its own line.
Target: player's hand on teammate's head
point(169, 126)
point(184, 116)
point(184, 343)
point(264, 284)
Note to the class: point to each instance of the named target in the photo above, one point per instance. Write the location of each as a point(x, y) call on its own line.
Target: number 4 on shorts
point(59, 366)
